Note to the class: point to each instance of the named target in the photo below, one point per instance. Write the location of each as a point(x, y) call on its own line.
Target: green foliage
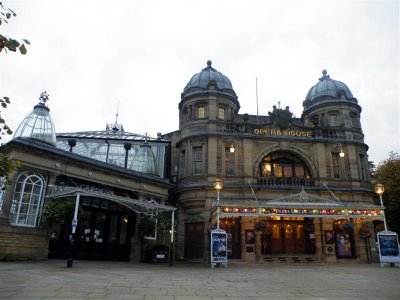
point(7, 166)
point(160, 223)
point(58, 211)
point(7, 43)
point(388, 174)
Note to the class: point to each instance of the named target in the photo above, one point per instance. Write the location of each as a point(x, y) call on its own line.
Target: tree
point(388, 174)
point(8, 44)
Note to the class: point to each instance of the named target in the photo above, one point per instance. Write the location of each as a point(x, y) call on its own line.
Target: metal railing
point(285, 181)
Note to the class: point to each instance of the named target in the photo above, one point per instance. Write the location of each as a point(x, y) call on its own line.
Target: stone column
point(258, 246)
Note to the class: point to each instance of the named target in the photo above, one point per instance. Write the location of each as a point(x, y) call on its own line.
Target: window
point(182, 163)
point(229, 162)
point(221, 113)
point(363, 168)
point(201, 112)
point(3, 184)
point(353, 120)
point(336, 165)
point(333, 119)
point(197, 160)
point(27, 199)
point(283, 164)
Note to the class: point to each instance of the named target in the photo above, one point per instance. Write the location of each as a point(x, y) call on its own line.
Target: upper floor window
point(201, 112)
point(336, 165)
point(182, 163)
point(27, 199)
point(197, 160)
point(333, 119)
point(283, 165)
point(221, 113)
point(229, 162)
point(354, 120)
point(363, 167)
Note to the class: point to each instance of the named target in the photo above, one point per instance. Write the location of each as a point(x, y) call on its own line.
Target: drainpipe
point(108, 150)
point(127, 146)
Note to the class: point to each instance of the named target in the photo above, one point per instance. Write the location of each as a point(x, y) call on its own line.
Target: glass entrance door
point(285, 237)
point(91, 237)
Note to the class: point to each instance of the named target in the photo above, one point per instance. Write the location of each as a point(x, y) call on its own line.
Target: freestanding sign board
point(219, 248)
point(388, 243)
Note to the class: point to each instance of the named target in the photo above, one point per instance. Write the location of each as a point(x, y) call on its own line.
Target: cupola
point(38, 124)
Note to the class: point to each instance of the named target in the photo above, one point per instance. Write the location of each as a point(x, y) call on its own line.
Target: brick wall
point(19, 243)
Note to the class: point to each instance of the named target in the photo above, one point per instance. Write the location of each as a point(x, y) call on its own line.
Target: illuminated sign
point(278, 132)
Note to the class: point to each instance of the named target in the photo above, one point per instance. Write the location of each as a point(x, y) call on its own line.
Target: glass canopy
point(38, 124)
point(145, 161)
point(118, 147)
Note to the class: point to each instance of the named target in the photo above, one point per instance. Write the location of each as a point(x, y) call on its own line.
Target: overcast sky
point(90, 55)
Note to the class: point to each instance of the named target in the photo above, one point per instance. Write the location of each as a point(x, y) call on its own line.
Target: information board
point(219, 253)
point(388, 243)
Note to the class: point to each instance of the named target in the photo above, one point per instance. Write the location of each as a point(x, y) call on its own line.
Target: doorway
point(103, 233)
point(286, 236)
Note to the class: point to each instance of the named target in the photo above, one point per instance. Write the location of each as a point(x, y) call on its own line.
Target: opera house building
point(289, 189)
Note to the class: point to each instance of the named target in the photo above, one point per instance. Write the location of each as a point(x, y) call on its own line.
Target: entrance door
point(91, 240)
point(194, 240)
point(286, 237)
point(276, 239)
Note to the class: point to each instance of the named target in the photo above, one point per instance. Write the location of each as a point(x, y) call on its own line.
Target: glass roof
point(38, 123)
point(118, 147)
point(145, 161)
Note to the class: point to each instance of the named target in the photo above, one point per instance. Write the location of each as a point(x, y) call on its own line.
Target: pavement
point(186, 281)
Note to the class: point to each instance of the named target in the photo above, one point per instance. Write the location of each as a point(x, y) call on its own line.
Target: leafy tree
point(8, 44)
point(388, 174)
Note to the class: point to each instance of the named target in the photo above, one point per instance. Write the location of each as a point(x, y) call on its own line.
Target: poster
point(218, 247)
point(388, 243)
point(344, 245)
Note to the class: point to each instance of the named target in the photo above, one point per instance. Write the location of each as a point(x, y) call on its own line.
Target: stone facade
point(309, 149)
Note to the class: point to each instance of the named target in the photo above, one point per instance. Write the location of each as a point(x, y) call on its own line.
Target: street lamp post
point(380, 189)
point(218, 185)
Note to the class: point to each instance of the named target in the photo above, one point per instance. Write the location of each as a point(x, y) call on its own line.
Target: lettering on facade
point(278, 132)
point(61, 188)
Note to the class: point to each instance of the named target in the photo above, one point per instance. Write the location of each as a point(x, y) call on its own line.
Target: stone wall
point(19, 243)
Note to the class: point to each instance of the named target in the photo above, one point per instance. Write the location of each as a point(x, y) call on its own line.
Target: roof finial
point(44, 97)
point(324, 75)
point(209, 63)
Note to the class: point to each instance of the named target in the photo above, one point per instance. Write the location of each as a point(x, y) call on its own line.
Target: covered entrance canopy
point(138, 206)
point(301, 205)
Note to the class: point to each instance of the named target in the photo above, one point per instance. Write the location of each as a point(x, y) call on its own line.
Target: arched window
point(27, 199)
point(284, 168)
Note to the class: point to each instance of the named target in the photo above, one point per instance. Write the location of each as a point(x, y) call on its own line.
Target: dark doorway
point(194, 240)
point(103, 233)
point(233, 231)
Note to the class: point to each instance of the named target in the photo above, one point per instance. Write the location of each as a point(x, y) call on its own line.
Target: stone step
point(289, 259)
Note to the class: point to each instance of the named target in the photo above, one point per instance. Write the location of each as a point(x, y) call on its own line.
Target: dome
point(202, 80)
point(38, 124)
point(145, 161)
point(327, 87)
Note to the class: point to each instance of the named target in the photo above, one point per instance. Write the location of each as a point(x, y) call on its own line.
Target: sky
point(95, 56)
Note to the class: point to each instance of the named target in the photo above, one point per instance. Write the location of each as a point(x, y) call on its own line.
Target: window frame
point(201, 112)
point(197, 160)
point(221, 116)
point(20, 196)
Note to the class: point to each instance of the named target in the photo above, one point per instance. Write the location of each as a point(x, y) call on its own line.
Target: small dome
point(202, 80)
point(144, 161)
point(327, 87)
point(38, 124)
